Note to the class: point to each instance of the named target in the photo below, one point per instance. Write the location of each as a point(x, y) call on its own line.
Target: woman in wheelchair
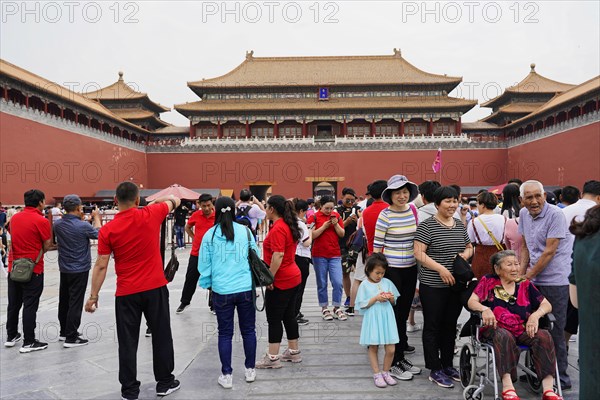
point(511, 307)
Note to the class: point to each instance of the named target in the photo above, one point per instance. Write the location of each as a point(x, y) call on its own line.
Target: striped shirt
point(443, 244)
point(395, 233)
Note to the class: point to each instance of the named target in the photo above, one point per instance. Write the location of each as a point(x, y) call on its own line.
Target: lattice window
point(359, 130)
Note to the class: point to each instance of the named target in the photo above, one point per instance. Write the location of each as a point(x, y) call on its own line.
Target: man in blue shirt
point(73, 236)
point(546, 261)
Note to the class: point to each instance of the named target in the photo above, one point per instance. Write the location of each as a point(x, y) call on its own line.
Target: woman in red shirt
point(326, 254)
point(279, 252)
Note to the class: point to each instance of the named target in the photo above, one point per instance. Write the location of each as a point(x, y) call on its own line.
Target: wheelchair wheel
point(470, 393)
point(467, 365)
point(535, 384)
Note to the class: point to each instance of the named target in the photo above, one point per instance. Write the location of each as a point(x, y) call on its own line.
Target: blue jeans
point(179, 231)
point(224, 306)
point(333, 266)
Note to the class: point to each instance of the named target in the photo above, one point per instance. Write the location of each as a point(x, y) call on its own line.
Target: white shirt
point(576, 211)
point(254, 214)
point(300, 249)
point(494, 222)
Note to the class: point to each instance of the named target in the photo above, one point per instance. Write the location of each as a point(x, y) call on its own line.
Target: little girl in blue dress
point(374, 300)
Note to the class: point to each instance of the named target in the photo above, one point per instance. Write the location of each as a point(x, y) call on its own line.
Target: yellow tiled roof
point(121, 91)
point(515, 108)
point(478, 125)
point(324, 71)
point(354, 103)
point(173, 130)
point(137, 114)
point(560, 100)
point(54, 89)
point(532, 83)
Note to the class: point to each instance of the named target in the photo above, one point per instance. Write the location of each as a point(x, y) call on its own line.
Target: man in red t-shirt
point(133, 237)
point(31, 238)
point(202, 220)
point(372, 212)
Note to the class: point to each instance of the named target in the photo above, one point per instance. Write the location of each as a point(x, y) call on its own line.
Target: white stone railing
point(32, 114)
point(572, 123)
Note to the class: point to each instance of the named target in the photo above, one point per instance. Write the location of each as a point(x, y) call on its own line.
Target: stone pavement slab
point(334, 365)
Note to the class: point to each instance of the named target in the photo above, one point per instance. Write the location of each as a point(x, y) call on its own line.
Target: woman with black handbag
point(279, 251)
point(437, 242)
point(224, 267)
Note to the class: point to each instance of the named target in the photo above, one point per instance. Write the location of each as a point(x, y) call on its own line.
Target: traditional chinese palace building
point(295, 126)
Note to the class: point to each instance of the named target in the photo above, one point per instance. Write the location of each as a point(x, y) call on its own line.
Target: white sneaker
point(226, 381)
point(398, 373)
point(413, 328)
point(250, 374)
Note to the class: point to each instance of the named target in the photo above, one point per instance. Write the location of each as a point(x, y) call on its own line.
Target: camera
point(88, 209)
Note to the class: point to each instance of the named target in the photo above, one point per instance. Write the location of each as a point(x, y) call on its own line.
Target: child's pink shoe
point(388, 379)
point(379, 380)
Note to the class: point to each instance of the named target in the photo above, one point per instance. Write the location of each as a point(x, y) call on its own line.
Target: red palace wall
point(568, 158)
point(289, 170)
point(59, 162)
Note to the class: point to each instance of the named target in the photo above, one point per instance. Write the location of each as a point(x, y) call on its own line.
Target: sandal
point(327, 315)
point(510, 394)
point(554, 397)
point(339, 314)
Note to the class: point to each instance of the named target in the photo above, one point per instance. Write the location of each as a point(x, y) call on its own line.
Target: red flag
point(437, 163)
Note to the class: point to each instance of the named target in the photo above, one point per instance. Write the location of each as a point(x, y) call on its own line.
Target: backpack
point(241, 217)
point(356, 245)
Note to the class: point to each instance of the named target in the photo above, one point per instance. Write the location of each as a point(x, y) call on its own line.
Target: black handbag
point(462, 272)
point(22, 268)
point(260, 271)
point(173, 264)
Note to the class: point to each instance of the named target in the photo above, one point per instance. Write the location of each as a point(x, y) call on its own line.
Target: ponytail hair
point(225, 216)
point(285, 210)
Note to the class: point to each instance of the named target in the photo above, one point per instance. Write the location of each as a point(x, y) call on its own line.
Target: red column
point(373, 130)
point(459, 125)
point(597, 101)
point(27, 101)
point(192, 129)
point(5, 94)
point(580, 111)
point(219, 130)
point(345, 128)
point(62, 112)
point(76, 117)
point(112, 131)
point(430, 127)
point(275, 130)
point(248, 133)
point(46, 107)
point(304, 133)
point(402, 127)
point(89, 122)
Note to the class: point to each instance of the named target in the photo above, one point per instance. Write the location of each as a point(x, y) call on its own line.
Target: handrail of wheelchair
point(546, 322)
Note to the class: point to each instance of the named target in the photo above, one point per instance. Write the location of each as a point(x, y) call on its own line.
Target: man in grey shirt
point(546, 261)
point(74, 261)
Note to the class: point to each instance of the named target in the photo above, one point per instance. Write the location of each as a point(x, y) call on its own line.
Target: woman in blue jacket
point(223, 266)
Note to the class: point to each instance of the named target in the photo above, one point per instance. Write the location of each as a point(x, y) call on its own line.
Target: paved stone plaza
point(334, 364)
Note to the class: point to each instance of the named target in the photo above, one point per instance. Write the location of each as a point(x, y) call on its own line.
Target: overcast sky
point(162, 45)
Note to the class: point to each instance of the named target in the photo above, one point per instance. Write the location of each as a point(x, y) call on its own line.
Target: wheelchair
point(475, 374)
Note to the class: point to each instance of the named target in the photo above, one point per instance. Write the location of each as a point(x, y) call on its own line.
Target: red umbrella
point(497, 189)
point(177, 191)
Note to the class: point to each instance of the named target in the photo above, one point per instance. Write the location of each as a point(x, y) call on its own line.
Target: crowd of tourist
point(387, 255)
